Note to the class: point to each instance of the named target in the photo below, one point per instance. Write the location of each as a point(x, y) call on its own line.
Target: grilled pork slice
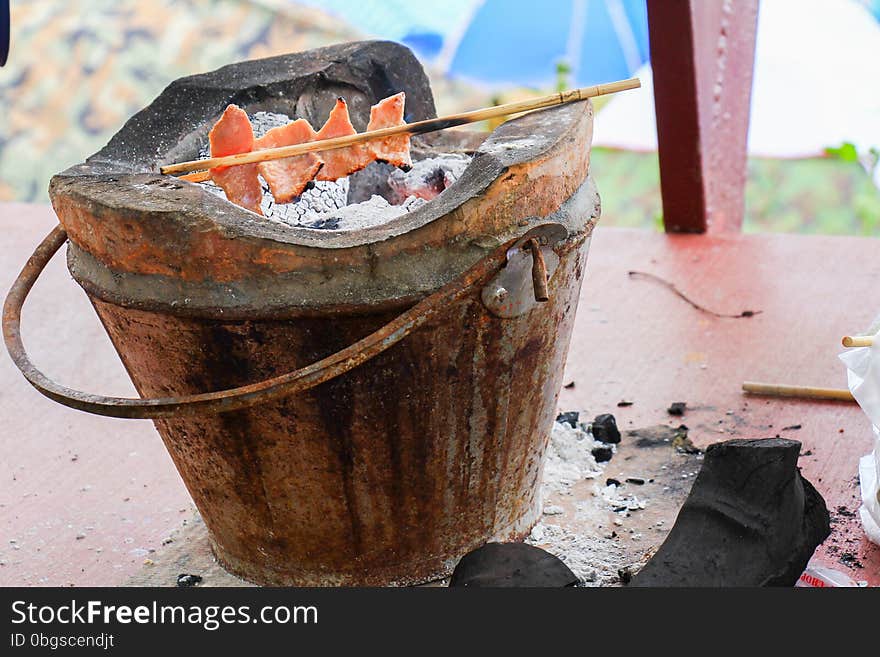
point(341, 162)
point(388, 113)
point(231, 135)
point(288, 178)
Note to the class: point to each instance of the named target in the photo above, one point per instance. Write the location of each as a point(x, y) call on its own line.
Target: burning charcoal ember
point(428, 177)
point(569, 417)
point(604, 429)
point(511, 565)
point(751, 519)
point(186, 580)
point(677, 408)
point(602, 454)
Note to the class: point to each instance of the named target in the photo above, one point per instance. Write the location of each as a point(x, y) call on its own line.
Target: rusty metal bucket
point(356, 409)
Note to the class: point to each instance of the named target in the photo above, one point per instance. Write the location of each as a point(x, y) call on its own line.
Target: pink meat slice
point(231, 135)
point(341, 161)
point(289, 177)
point(388, 113)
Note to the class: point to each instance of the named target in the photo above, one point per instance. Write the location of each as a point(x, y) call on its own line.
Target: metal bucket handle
point(255, 393)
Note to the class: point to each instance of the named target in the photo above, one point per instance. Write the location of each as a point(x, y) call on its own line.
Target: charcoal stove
point(354, 405)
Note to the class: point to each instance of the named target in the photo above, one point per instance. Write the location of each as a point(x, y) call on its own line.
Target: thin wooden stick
point(197, 176)
point(419, 127)
point(858, 340)
point(800, 392)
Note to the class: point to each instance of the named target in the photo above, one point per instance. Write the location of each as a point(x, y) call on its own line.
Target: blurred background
point(78, 69)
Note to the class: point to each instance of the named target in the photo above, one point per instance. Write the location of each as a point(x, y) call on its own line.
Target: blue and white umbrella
point(519, 41)
point(510, 41)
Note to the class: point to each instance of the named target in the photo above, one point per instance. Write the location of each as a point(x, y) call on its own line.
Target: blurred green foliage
point(832, 195)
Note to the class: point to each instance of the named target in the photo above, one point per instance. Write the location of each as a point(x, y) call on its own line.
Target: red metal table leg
point(702, 53)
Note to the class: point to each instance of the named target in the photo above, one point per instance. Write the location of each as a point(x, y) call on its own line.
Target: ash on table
point(573, 456)
point(344, 204)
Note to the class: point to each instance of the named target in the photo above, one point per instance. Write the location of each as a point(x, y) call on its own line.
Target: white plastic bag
point(863, 378)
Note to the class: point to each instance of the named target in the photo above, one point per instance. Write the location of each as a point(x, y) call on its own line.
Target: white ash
point(595, 560)
point(569, 458)
point(263, 122)
point(357, 216)
point(325, 204)
point(621, 503)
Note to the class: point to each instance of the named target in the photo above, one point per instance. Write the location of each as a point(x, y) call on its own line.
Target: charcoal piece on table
point(602, 454)
point(604, 429)
point(751, 519)
point(185, 580)
point(677, 408)
point(569, 417)
point(511, 565)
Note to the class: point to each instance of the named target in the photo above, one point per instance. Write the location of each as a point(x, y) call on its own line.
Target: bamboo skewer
point(809, 392)
point(418, 127)
point(800, 392)
point(858, 340)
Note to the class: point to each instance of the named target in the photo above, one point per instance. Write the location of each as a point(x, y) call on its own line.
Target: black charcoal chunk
point(602, 454)
point(751, 519)
point(677, 408)
point(511, 565)
point(185, 580)
point(604, 429)
point(569, 417)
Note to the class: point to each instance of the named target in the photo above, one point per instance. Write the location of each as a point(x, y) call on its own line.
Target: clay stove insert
point(391, 458)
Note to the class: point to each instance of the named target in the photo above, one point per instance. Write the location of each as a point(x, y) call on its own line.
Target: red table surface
point(85, 498)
